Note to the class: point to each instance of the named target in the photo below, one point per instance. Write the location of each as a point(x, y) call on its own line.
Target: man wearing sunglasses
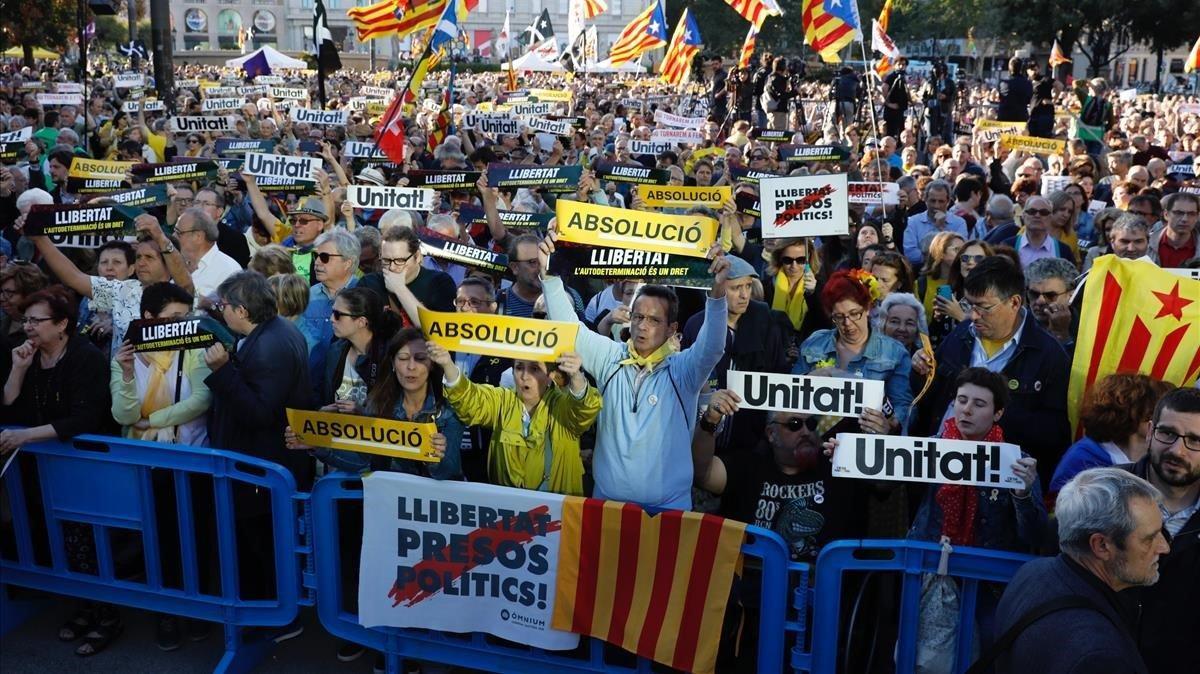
point(785, 485)
point(335, 259)
point(1048, 290)
point(1036, 243)
point(1172, 465)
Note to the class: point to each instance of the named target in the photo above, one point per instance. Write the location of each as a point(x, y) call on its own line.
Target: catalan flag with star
point(655, 585)
point(1136, 318)
point(685, 43)
point(829, 25)
point(646, 31)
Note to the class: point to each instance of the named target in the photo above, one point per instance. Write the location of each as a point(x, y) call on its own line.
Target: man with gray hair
point(1129, 238)
point(1111, 533)
point(1048, 284)
point(335, 259)
point(1000, 218)
point(197, 233)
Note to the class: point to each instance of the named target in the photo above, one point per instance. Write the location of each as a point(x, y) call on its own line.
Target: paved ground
point(35, 649)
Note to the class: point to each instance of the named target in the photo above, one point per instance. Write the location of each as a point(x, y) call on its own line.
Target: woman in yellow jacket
point(536, 428)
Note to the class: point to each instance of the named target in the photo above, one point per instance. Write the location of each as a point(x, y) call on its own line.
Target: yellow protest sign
point(702, 153)
point(496, 335)
point(594, 225)
point(660, 196)
point(559, 95)
point(1033, 144)
point(95, 176)
point(353, 433)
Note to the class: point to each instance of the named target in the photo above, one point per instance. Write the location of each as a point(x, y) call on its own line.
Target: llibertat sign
point(635, 174)
point(176, 171)
point(369, 435)
point(551, 178)
point(235, 146)
point(802, 206)
point(613, 264)
point(63, 219)
point(929, 460)
point(176, 334)
point(497, 335)
point(750, 176)
point(873, 194)
point(147, 196)
point(470, 215)
point(461, 557)
point(444, 180)
point(594, 225)
point(96, 176)
point(803, 153)
point(462, 253)
point(825, 396)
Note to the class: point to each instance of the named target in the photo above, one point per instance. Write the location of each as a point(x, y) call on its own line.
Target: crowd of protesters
point(977, 257)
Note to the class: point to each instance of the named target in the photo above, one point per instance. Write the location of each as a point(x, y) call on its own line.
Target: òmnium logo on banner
point(828, 396)
point(404, 198)
point(804, 206)
point(461, 557)
point(496, 335)
point(933, 460)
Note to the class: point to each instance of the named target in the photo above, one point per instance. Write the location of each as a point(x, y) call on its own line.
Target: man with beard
point(1169, 608)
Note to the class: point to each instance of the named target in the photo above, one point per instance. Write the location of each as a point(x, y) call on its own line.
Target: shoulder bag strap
point(1005, 641)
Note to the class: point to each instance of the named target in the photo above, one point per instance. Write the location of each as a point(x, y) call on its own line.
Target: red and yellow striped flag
point(755, 11)
point(685, 44)
point(1136, 317)
point(828, 26)
point(594, 8)
point(884, 65)
point(656, 586)
point(1193, 59)
point(1057, 57)
point(647, 31)
point(391, 17)
point(748, 47)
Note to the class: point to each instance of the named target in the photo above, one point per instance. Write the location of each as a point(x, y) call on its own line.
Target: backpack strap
point(1005, 641)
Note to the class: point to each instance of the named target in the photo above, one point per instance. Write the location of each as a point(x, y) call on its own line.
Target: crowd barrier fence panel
point(911, 560)
point(480, 651)
point(107, 483)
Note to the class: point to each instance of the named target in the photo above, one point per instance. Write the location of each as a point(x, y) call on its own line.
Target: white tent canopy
point(535, 62)
point(275, 59)
point(606, 66)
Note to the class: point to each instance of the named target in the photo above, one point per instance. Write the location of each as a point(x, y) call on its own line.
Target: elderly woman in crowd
point(903, 319)
point(18, 280)
point(1115, 417)
point(536, 426)
point(854, 347)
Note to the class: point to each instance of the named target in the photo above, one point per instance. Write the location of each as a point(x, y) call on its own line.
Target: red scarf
point(960, 503)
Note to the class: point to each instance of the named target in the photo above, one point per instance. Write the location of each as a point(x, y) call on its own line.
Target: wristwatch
point(707, 426)
point(170, 248)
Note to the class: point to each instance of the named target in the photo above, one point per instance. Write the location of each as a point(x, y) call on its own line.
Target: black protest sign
point(12, 152)
point(444, 180)
point(469, 215)
point(53, 219)
point(175, 171)
point(464, 254)
point(550, 178)
point(772, 135)
point(741, 174)
point(635, 174)
point(747, 203)
point(177, 334)
point(227, 147)
point(803, 153)
point(618, 264)
point(141, 197)
point(231, 165)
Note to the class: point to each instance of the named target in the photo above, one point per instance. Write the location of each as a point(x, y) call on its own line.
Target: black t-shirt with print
point(807, 509)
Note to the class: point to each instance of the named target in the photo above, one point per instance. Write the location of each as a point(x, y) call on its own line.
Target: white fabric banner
point(460, 557)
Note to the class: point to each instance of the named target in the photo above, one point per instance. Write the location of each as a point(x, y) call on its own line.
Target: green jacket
point(517, 459)
point(127, 402)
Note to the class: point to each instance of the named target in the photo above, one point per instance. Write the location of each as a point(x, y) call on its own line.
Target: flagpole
point(399, 109)
point(871, 108)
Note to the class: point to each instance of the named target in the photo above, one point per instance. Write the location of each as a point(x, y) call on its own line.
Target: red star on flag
point(1172, 303)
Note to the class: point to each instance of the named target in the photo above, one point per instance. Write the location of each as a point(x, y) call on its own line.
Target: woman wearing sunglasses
point(194, 145)
point(792, 286)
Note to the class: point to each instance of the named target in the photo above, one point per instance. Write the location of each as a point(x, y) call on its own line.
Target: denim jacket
point(450, 467)
point(883, 359)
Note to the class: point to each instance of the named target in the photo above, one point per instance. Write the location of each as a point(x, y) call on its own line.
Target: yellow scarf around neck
point(790, 299)
point(158, 394)
point(660, 354)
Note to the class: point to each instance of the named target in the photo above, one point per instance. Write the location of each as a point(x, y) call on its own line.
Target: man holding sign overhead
point(650, 391)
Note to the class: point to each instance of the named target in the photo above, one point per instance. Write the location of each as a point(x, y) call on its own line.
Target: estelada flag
point(655, 586)
point(1136, 317)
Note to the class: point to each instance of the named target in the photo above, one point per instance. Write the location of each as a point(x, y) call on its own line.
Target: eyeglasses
point(181, 232)
point(184, 200)
point(301, 220)
point(785, 261)
point(842, 319)
point(1040, 212)
point(475, 302)
point(193, 141)
point(795, 423)
point(34, 320)
point(339, 315)
point(980, 309)
point(1168, 436)
point(1048, 296)
point(643, 318)
point(219, 306)
point(393, 262)
point(326, 257)
point(204, 204)
point(8, 294)
point(971, 259)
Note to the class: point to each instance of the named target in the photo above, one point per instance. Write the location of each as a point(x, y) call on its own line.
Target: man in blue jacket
point(1002, 335)
point(651, 392)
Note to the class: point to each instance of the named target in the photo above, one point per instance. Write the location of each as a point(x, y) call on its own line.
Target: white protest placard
point(1193, 274)
point(20, 135)
point(60, 99)
point(377, 92)
point(357, 103)
point(187, 84)
point(281, 166)
point(532, 109)
point(492, 124)
point(224, 124)
point(650, 147)
point(1054, 183)
point(1095, 206)
point(149, 105)
point(930, 460)
point(219, 92)
point(405, 198)
point(221, 104)
point(255, 90)
point(68, 88)
point(804, 206)
point(460, 557)
point(320, 117)
point(129, 80)
point(689, 136)
point(289, 94)
point(555, 127)
point(678, 121)
point(268, 79)
point(89, 241)
point(990, 130)
point(872, 194)
point(358, 149)
point(827, 396)
point(1189, 109)
point(1128, 94)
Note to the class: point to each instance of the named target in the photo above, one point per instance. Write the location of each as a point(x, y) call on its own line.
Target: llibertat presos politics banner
point(460, 557)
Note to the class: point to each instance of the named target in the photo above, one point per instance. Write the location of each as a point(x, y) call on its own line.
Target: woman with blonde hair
point(272, 259)
point(791, 284)
point(291, 295)
point(939, 263)
point(1063, 219)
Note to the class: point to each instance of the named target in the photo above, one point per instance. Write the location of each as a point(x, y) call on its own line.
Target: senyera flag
point(1136, 317)
point(653, 585)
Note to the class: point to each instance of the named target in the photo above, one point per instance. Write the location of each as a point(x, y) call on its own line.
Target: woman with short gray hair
point(902, 318)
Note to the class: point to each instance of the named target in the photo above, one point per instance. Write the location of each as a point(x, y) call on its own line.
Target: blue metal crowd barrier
point(911, 561)
point(108, 484)
point(479, 651)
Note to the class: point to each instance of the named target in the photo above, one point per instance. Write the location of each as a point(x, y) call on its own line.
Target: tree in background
point(45, 23)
